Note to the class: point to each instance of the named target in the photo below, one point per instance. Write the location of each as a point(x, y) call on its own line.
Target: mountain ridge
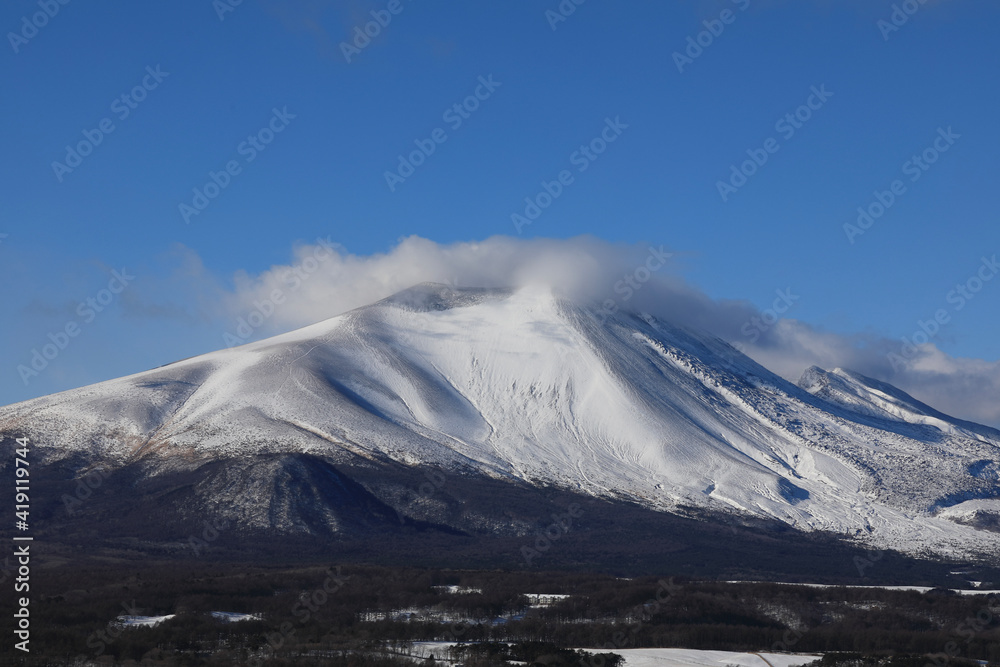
point(526, 387)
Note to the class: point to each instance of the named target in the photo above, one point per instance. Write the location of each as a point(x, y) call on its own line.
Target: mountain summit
point(525, 389)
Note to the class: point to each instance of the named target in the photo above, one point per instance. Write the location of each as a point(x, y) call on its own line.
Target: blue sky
point(555, 85)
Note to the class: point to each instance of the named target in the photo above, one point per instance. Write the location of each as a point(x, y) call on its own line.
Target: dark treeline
point(352, 614)
point(498, 654)
point(899, 660)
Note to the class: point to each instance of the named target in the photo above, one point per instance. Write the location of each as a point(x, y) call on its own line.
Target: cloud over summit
point(325, 280)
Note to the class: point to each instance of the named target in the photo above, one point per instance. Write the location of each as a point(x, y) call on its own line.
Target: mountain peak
point(430, 296)
point(868, 396)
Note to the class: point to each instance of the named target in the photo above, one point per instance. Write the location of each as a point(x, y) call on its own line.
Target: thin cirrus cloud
point(323, 282)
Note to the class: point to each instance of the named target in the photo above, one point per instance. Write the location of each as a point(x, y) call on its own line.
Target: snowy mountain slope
point(526, 387)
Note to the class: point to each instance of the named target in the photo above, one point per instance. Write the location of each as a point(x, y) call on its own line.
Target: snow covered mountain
point(523, 387)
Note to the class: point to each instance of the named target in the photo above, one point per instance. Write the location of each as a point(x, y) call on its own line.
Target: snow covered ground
point(681, 657)
point(233, 617)
point(662, 657)
point(149, 621)
point(437, 615)
point(544, 599)
point(457, 590)
point(919, 589)
point(142, 621)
